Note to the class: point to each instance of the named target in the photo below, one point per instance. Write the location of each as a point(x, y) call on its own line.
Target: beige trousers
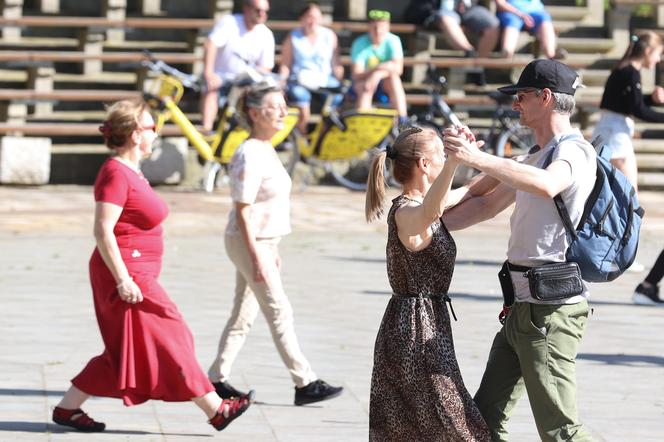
point(269, 296)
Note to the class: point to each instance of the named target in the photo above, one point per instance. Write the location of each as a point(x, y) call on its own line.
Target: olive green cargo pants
point(535, 351)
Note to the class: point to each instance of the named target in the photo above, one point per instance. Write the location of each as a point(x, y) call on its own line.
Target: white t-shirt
point(238, 47)
point(537, 232)
point(257, 177)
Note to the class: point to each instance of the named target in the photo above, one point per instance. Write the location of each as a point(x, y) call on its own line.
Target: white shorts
point(616, 131)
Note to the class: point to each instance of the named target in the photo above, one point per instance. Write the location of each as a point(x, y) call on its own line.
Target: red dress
point(149, 350)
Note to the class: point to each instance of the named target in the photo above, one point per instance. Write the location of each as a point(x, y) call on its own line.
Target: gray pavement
point(334, 273)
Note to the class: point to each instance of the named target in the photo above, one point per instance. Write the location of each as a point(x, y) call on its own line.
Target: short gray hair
point(563, 103)
point(254, 97)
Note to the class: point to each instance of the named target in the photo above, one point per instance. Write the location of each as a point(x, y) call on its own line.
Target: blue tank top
point(315, 57)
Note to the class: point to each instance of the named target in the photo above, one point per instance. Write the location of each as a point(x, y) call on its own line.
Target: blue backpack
point(605, 241)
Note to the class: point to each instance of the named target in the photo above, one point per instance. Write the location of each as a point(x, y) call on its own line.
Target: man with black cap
point(536, 348)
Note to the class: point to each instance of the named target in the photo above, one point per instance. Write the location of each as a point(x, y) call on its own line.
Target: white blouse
point(258, 178)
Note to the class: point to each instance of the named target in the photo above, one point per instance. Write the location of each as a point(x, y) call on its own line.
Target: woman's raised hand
point(460, 143)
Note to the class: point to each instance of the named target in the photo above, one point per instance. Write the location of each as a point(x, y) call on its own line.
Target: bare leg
point(510, 39)
point(364, 95)
point(547, 38)
point(628, 167)
point(454, 33)
point(303, 119)
point(209, 108)
point(394, 89)
point(210, 404)
point(488, 41)
point(73, 399)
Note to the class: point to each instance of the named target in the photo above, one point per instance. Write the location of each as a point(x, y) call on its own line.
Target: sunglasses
point(377, 14)
point(259, 10)
point(522, 94)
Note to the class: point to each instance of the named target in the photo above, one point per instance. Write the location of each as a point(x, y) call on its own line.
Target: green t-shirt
point(364, 52)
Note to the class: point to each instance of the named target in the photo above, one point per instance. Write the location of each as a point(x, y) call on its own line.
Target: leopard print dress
point(417, 393)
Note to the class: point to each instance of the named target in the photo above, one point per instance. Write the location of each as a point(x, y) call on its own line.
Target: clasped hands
point(460, 144)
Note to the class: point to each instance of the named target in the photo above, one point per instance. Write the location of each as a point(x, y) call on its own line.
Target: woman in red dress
point(149, 350)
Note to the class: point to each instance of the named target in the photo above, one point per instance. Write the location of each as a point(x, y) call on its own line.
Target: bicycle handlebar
point(156, 65)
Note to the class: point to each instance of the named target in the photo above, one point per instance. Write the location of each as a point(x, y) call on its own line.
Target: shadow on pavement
point(357, 259)
point(274, 404)
point(460, 262)
point(453, 295)
point(43, 427)
point(621, 359)
point(29, 392)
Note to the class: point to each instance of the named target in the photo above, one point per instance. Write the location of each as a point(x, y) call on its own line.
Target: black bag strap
point(558, 200)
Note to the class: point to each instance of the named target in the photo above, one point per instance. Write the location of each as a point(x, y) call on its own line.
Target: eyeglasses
point(276, 107)
point(522, 94)
point(152, 127)
point(378, 14)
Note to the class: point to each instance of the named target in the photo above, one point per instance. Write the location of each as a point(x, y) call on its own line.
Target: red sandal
point(77, 419)
point(236, 406)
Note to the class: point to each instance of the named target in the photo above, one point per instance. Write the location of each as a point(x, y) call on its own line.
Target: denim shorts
point(509, 20)
point(301, 96)
point(380, 96)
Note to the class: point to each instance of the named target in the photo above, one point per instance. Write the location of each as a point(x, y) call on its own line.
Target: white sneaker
point(647, 296)
point(641, 299)
point(636, 267)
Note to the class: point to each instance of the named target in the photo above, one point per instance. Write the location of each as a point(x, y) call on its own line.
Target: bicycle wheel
point(352, 174)
point(514, 141)
point(288, 153)
point(210, 171)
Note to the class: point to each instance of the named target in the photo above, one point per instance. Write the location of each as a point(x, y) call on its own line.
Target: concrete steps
point(567, 13)
point(651, 180)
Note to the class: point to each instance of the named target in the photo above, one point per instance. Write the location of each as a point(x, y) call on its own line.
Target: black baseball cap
point(545, 73)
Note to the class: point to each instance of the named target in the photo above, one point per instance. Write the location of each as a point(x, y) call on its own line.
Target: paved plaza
point(334, 274)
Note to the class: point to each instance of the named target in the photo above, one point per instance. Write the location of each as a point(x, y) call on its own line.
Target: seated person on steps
point(377, 65)
point(517, 15)
point(309, 52)
point(449, 16)
point(237, 42)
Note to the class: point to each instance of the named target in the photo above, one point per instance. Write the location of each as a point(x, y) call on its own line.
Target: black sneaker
point(227, 391)
point(647, 295)
point(316, 391)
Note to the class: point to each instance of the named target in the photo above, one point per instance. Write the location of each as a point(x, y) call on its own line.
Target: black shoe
point(476, 78)
point(316, 391)
point(647, 295)
point(227, 391)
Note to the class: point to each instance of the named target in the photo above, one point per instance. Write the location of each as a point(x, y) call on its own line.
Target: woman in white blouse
point(260, 190)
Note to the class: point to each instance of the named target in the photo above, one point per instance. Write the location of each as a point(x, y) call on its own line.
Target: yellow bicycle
point(214, 151)
point(340, 142)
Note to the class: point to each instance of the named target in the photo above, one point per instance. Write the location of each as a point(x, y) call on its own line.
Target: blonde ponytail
point(373, 206)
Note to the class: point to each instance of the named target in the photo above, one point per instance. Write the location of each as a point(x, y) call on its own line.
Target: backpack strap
point(558, 200)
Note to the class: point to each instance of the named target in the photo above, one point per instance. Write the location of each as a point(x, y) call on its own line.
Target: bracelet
point(123, 282)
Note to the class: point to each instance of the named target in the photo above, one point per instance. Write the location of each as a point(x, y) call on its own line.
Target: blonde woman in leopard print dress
point(417, 393)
